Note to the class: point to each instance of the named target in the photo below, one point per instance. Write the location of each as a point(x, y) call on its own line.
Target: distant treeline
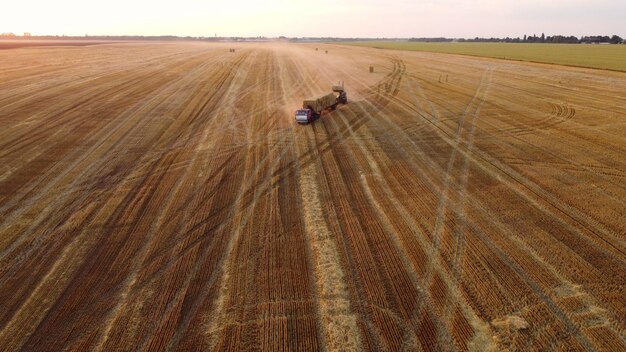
point(557, 39)
point(615, 39)
point(27, 36)
point(337, 39)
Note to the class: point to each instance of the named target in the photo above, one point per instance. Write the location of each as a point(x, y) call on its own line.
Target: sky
point(298, 18)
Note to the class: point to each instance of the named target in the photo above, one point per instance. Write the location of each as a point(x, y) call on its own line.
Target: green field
point(611, 57)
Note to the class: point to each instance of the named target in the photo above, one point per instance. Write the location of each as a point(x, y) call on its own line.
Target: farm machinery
point(314, 107)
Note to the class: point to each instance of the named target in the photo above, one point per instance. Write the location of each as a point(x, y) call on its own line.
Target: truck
point(314, 107)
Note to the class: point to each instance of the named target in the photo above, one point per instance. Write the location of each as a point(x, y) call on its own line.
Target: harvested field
point(16, 43)
point(161, 196)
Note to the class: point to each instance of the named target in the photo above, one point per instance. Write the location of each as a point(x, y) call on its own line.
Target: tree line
point(127, 37)
point(556, 39)
point(596, 39)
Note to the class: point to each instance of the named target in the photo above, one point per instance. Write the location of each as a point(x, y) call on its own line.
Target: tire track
point(558, 204)
point(553, 307)
point(569, 325)
point(375, 119)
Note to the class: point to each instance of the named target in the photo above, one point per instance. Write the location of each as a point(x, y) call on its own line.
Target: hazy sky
point(345, 18)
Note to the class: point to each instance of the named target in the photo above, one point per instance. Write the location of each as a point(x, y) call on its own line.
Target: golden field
point(160, 196)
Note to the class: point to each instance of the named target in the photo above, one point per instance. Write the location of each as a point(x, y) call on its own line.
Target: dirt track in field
point(161, 197)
